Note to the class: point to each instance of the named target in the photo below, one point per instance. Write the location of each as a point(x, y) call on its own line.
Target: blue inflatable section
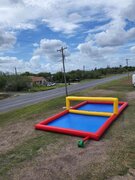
point(79, 122)
point(97, 107)
point(82, 122)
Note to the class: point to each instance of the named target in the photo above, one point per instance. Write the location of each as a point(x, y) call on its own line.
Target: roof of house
point(37, 78)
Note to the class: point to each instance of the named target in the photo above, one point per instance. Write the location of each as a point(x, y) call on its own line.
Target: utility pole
point(127, 62)
point(83, 68)
point(15, 71)
point(127, 66)
point(83, 72)
point(63, 62)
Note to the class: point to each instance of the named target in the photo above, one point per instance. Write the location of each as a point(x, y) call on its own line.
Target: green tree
point(58, 77)
point(2, 81)
point(17, 83)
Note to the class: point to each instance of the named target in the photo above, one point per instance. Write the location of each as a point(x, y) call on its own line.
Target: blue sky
point(96, 34)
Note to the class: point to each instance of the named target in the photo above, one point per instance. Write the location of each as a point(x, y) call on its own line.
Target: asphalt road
point(33, 98)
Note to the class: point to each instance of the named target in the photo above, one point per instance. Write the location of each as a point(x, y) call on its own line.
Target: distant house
point(38, 80)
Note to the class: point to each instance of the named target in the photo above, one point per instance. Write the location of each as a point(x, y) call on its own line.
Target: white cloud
point(67, 17)
point(132, 49)
point(45, 58)
point(131, 33)
point(48, 48)
point(7, 40)
point(8, 64)
point(35, 62)
point(115, 34)
point(61, 16)
point(88, 49)
point(17, 14)
point(111, 37)
point(129, 11)
point(25, 26)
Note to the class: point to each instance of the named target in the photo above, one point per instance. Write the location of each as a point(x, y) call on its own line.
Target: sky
point(96, 33)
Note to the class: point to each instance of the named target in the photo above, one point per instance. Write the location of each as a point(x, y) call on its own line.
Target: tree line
point(22, 82)
point(14, 82)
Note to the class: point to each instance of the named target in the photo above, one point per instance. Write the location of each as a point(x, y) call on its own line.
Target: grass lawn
point(41, 88)
point(125, 84)
point(44, 155)
point(45, 88)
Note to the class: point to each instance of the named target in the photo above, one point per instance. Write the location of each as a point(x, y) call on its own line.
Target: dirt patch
point(14, 134)
point(101, 92)
point(129, 176)
point(63, 160)
point(131, 95)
